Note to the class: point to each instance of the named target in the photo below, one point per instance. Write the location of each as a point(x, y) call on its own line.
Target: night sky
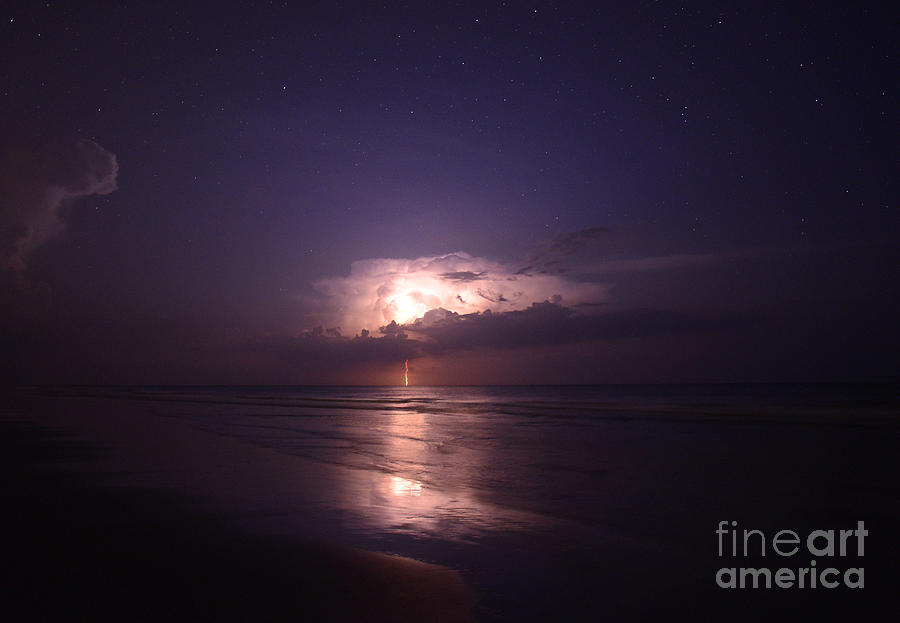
point(638, 192)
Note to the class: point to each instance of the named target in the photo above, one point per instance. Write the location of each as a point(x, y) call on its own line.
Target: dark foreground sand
point(75, 550)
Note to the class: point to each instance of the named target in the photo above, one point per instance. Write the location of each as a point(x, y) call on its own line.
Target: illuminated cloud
point(378, 292)
point(36, 181)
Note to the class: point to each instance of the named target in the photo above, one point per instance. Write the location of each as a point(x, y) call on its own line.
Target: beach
point(80, 545)
point(484, 504)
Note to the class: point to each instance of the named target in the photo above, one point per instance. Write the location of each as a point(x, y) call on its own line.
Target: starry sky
point(497, 192)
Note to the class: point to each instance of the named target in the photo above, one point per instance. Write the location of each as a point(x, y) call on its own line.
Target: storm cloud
point(440, 332)
point(549, 323)
point(390, 309)
point(379, 291)
point(39, 178)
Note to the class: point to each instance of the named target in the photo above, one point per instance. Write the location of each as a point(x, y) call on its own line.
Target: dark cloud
point(550, 253)
point(463, 275)
point(688, 261)
point(550, 323)
point(442, 332)
point(492, 296)
point(393, 330)
point(336, 352)
point(37, 179)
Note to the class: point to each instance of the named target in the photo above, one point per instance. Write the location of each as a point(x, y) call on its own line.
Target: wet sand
point(118, 509)
point(76, 545)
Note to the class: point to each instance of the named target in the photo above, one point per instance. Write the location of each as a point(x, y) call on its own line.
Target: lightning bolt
point(406, 373)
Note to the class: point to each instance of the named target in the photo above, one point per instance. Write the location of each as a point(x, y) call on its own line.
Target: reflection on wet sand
point(420, 483)
point(402, 486)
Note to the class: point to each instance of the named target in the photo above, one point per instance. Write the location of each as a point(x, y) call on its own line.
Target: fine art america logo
point(840, 547)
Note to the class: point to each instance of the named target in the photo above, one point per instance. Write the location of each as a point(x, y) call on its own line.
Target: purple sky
point(637, 193)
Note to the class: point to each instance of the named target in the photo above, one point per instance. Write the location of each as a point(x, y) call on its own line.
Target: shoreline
point(79, 545)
